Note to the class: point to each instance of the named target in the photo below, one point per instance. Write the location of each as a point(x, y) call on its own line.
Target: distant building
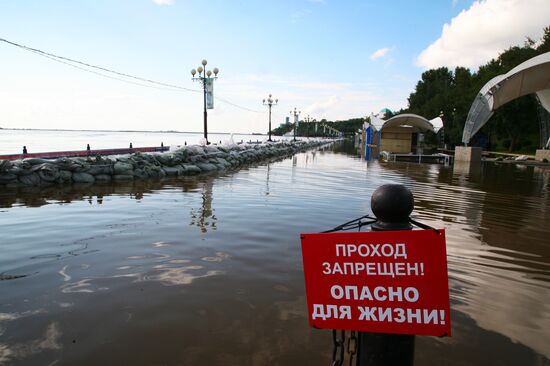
point(403, 133)
point(384, 113)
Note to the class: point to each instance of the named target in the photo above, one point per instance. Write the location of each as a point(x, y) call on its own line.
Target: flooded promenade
point(208, 270)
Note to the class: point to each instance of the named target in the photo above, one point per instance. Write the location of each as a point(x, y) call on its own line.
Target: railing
point(84, 153)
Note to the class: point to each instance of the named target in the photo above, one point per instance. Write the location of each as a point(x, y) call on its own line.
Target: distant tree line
point(513, 127)
point(348, 127)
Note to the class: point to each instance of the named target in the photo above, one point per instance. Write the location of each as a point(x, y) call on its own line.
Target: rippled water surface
point(208, 270)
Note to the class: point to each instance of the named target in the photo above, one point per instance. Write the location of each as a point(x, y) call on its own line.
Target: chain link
point(352, 347)
point(338, 347)
point(342, 345)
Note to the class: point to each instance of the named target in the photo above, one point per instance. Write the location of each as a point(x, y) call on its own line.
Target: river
point(36, 141)
point(207, 270)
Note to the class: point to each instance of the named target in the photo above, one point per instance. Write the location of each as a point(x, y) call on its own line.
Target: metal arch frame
point(408, 119)
point(544, 124)
point(531, 76)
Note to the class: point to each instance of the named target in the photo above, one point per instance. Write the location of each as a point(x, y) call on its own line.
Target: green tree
point(545, 41)
point(517, 119)
point(434, 95)
point(513, 126)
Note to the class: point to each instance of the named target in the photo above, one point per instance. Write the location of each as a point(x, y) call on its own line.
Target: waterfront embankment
point(189, 160)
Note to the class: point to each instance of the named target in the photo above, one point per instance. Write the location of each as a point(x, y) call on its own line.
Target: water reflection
point(498, 252)
point(204, 217)
point(268, 171)
point(96, 193)
point(170, 271)
point(93, 194)
point(207, 270)
point(48, 342)
point(467, 169)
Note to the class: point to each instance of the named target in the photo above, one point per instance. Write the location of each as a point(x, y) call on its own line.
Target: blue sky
point(330, 59)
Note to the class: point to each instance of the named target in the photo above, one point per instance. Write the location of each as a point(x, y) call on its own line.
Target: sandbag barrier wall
point(189, 160)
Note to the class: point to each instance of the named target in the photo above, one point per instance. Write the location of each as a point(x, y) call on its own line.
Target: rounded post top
point(392, 204)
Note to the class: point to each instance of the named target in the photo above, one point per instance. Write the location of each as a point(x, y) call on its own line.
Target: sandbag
point(32, 179)
point(121, 168)
point(83, 178)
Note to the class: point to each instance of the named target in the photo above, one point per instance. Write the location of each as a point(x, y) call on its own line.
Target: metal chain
point(352, 347)
point(424, 226)
point(338, 347)
point(353, 224)
point(339, 344)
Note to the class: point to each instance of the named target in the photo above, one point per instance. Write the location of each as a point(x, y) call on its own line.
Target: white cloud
point(298, 15)
point(379, 53)
point(487, 28)
point(293, 83)
point(322, 107)
point(328, 99)
point(163, 2)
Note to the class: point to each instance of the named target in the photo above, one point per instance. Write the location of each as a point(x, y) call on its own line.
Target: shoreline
point(148, 131)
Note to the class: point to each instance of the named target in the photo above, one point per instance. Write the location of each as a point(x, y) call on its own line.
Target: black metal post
point(205, 113)
point(295, 123)
point(391, 204)
point(269, 139)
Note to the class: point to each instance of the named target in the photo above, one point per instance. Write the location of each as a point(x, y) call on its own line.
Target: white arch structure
point(531, 76)
point(408, 119)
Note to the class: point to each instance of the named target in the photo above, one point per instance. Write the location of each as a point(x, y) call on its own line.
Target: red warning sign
point(379, 281)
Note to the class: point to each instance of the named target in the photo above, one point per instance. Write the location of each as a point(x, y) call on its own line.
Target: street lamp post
point(306, 121)
point(315, 128)
point(295, 113)
point(270, 102)
point(205, 77)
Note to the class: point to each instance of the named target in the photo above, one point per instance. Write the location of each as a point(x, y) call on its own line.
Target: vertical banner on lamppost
point(209, 93)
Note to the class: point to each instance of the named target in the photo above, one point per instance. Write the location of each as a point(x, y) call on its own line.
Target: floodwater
point(208, 270)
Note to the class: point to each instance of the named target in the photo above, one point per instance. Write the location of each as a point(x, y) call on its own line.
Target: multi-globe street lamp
point(207, 81)
point(307, 121)
point(295, 114)
point(270, 102)
point(315, 127)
